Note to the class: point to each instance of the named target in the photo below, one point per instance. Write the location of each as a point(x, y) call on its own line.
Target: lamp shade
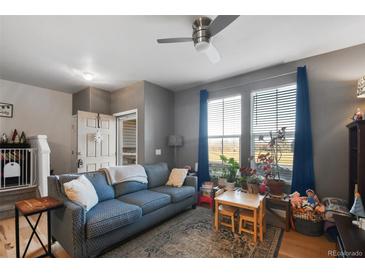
point(361, 87)
point(175, 141)
point(357, 208)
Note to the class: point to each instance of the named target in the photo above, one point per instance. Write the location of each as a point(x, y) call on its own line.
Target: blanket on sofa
point(120, 174)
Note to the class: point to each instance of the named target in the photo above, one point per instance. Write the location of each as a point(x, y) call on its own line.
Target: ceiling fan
point(203, 30)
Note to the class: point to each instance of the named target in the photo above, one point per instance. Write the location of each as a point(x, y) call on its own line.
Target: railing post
point(42, 171)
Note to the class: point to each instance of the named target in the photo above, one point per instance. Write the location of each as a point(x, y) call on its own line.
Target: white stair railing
point(39, 142)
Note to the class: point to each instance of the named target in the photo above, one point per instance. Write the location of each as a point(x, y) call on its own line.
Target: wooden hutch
point(356, 159)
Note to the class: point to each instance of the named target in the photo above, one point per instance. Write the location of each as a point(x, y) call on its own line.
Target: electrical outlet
point(158, 152)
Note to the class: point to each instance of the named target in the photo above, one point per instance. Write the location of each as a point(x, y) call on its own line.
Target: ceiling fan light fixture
point(212, 54)
point(202, 46)
point(203, 30)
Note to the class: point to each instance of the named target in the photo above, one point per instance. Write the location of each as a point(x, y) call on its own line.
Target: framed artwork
point(6, 110)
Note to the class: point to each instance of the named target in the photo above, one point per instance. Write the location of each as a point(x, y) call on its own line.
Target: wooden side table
point(281, 204)
point(31, 207)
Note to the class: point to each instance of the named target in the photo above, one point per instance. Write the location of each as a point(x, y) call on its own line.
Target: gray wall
point(159, 119)
point(81, 101)
point(128, 98)
point(91, 99)
point(40, 111)
point(332, 83)
point(100, 101)
point(155, 118)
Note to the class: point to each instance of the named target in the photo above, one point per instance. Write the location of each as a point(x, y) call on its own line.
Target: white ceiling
point(53, 51)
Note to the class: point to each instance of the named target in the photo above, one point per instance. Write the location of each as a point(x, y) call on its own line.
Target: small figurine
point(15, 137)
point(4, 139)
point(23, 139)
point(358, 115)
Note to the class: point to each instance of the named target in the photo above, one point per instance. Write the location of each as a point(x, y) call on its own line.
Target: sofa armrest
point(68, 222)
point(68, 228)
point(192, 181)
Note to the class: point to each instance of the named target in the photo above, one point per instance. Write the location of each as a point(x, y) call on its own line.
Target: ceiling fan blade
point(220, 23)
point(175, 40)
point(212, 53)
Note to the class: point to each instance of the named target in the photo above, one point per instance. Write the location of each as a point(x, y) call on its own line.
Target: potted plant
point(229, 171)
point(268, 162)
point(246, 173)
point(253, 184)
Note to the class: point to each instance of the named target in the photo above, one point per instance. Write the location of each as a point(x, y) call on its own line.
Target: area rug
point(191, 235)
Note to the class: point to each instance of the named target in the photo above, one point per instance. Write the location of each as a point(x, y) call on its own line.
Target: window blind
point(224, 128)
point(273, 109)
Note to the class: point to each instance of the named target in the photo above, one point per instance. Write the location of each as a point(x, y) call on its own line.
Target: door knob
point(80, 163)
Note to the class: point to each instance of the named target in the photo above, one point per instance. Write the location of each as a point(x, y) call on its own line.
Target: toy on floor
point(308, 207)
point(296, 200)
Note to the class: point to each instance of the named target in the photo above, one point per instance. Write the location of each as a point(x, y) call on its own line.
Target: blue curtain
point(303, 174)
point(203, 163)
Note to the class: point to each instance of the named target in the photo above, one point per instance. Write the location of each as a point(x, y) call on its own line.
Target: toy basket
point(307, 222)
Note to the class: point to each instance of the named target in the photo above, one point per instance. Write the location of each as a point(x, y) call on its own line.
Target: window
point(273, 109)
point(224, 128)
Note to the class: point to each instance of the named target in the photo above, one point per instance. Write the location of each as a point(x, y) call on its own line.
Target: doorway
point(127, 137)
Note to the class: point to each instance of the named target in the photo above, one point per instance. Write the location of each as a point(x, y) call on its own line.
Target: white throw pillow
point(82, 192)
point(177, 177)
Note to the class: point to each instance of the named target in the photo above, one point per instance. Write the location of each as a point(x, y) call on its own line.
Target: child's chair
point(227, 211)
point(255, 220)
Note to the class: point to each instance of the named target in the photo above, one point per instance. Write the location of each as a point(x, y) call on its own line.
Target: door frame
point(117, 115)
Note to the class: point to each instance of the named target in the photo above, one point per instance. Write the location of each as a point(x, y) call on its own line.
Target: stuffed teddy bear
point(296, 200)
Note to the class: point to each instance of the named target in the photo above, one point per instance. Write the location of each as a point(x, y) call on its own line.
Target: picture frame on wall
point(6, 110)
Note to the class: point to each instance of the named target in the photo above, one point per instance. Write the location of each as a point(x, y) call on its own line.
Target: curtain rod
point(255, 81)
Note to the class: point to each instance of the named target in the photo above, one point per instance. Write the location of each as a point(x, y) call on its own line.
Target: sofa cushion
point(66, 178)
point(82, 192)
point(177, 193)
point(98, 180)
point(100, 183)
point(128, 187)
point(110, 215)
point(177, 177)
point(147, 200)
point(157, 174)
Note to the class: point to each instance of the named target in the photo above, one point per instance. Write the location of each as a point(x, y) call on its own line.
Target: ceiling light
point(88, 76)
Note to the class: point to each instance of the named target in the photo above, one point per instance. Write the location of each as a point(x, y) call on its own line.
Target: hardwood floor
point(7, 238)
point(294, 245)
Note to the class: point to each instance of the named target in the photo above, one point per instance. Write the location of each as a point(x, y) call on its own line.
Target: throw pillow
point(82, 192)
point(177, 177)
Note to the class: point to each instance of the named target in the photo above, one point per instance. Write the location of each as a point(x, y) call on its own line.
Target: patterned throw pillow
point(177, 177)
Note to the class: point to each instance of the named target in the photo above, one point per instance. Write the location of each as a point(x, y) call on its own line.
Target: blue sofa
point(123, 209)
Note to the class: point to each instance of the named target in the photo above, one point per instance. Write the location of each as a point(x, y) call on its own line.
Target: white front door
point(93, 154)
